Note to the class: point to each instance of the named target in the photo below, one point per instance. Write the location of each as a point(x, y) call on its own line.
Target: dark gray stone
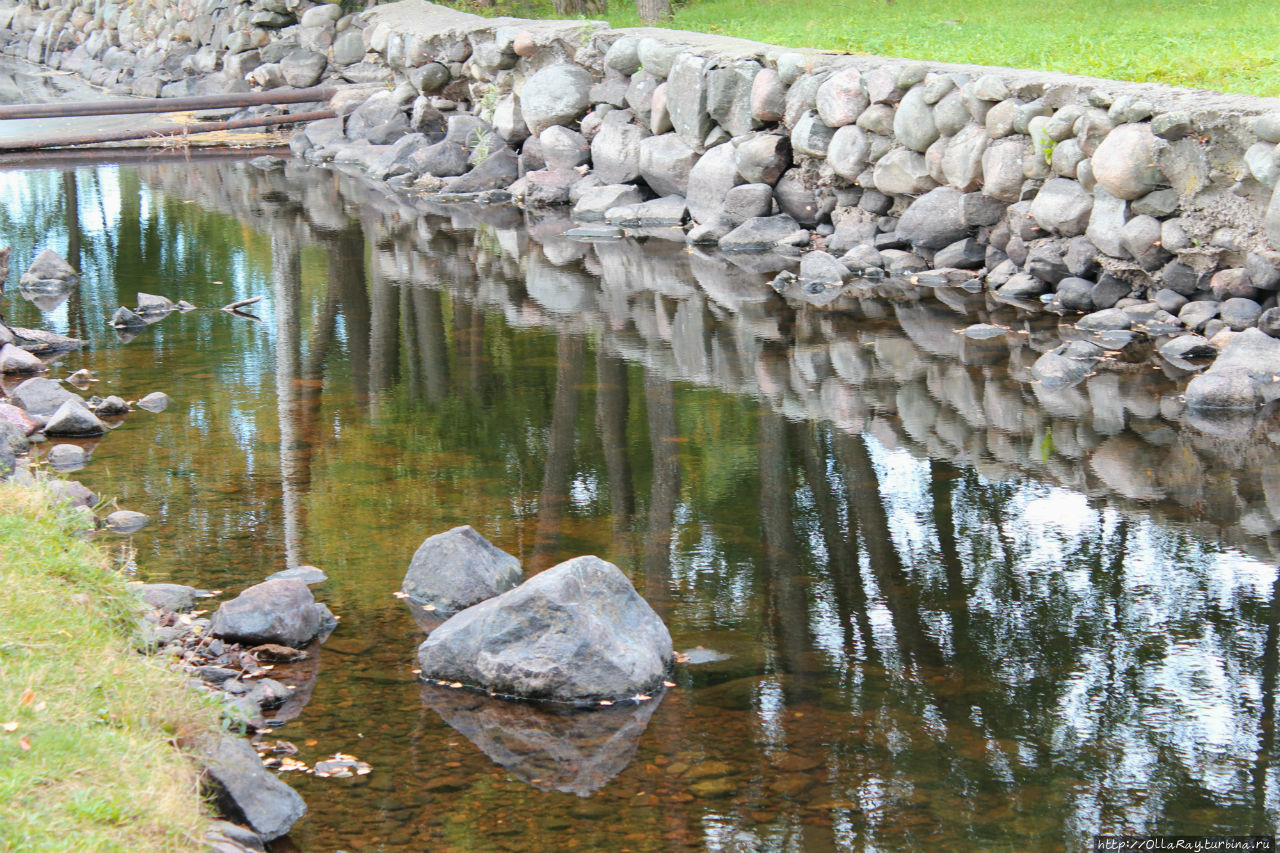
point(764, 158)
point(303, 68)
point(1081, 257)
point(1076, 294)
point(1186, 347)
point(1106, 320)
point(1170, 300)
point(1062, 207)
point(74, 420)
point(577, 632)
point(806, 204)
point(458, 568)
point(729, 97)
point(1196, 314)
point(1023, 286)
point(245, 790)
point(169, 596)
point(1239, 313)
point(498, 171)
point(1045, 263)
point(760, 234)
point(1269, 322)
point(936, 219)
point(966, 254)
point(1140, 237)
point(1060, 369)
point(275, 611)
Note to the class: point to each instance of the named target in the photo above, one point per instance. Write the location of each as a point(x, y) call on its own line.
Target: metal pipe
point(184, 130)
point(118, 156)
point(168, 105)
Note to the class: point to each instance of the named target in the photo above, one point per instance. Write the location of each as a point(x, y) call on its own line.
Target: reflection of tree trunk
point(310, 392)
point(786, 602)
point(384, 335)
point(942, 478)
point(432, 347)
point(1267, 719)
point(842, 544)
point(285, 277)
point(664, 491)
point(612, 401)
point(899, 591)
point(71, 206)
point(468, 343)
point(558, 470)
point(346, 270)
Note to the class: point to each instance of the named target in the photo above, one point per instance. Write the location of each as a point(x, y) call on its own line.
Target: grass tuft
point(90, 731)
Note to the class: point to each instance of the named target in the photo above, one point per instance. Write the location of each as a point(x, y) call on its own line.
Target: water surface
point(950, 609)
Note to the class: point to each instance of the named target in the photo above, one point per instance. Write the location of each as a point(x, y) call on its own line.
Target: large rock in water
point(459, 568)
point(245, 789)
point(275, 611)
point(578, 632)
point(48, 266)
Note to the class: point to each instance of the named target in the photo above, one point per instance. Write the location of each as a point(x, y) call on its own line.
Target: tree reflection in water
point(958, 610)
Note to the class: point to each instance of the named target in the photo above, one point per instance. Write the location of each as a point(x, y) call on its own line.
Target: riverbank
point(93, 735)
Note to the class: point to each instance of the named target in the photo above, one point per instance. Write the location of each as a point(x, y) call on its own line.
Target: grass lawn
point(1227, 45)
point(87, 725)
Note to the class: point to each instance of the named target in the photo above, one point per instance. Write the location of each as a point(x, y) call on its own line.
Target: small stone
point(155, 402)
point(1239, 313)
point(310, 575)
point(73, 419)
point(126, 521)
point(1194, 315)
point(1172, 126)
point(66, 457)
point(123, 318)
point(1108, 319)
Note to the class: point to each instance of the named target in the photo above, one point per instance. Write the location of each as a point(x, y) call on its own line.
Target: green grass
point(91, 763)
point(1226, 45)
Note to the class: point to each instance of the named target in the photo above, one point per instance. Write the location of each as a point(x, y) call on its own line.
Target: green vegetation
point(1227, 45)
point(88, 727)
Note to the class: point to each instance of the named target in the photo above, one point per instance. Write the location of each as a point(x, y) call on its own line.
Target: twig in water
point(241, 303)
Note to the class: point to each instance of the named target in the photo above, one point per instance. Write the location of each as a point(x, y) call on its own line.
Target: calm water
point(953, 611)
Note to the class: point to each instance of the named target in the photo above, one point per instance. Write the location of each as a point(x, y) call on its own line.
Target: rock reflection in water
point(553, 749)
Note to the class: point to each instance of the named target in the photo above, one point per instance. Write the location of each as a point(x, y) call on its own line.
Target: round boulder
point(459, 568)
point(578, 632)
point(557, 94)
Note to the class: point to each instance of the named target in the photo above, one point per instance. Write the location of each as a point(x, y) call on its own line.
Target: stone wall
point(1148, 209)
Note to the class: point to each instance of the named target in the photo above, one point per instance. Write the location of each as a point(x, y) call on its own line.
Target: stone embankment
point(1147, 209)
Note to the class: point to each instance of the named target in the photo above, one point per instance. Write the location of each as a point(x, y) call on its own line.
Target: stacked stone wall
point(1147, 209)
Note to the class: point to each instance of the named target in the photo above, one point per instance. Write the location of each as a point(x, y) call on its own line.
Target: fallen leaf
point(41, 705)
point(10, 726)
point(24, 742)
point(310, 742)
point(399, 594)
point(668, 684)
point(430, 608)
point(455, 685)
point(606, 702)
point(28, 696)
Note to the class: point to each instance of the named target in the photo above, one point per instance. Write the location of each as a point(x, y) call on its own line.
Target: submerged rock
point(169, 596)
point(41, 396)
point(578, 632)
point(459, 568)
point(307, 574)
point(275, 611)
point(48, 267)
point(126, 521)
point(155, 402)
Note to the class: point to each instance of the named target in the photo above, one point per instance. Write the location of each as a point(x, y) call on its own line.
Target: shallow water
point(951, 610)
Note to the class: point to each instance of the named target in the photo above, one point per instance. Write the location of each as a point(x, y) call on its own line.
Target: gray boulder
point(710, 178)
point(74, 420)
point(913, 123)
point(811, 137)
point(595, 202)
point(459, 568)
point(245, 790)
point(729, 97)
point(16, 361)
point(615, 151)
point(1066, 365)
point(168, 596)
point(302, 68)
point(310, 575)
point(1124, 164)
point(126, 521)
point(62, 457)
point(841, 98)
point(687, 99)
point(556, 94)
point(1243, 375)
point(763, 158)
point(760, 234)
point(155, 402)
point(1239, 313)
point(936, 219)
point(275, 611)
point(902, 172)
point(578, 632)
point(1062, 207)
point(665, 163)
point(151, 303)
point(48, 268)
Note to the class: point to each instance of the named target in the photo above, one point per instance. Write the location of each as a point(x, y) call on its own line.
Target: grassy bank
point(1227, 45)
point(87, 725)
